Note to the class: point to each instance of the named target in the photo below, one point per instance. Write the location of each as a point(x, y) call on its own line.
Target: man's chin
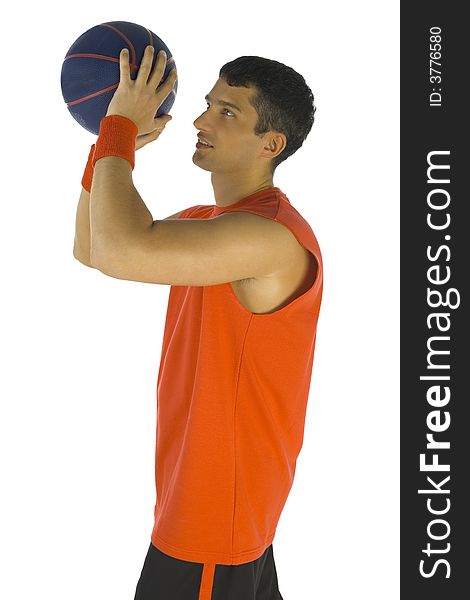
point(199, 163)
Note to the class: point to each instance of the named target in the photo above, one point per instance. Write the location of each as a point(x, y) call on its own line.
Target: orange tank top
point(231, 403)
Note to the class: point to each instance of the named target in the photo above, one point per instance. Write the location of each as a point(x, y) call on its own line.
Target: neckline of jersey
point(216, 210)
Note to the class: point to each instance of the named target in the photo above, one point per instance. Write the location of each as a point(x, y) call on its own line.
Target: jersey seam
point(231, 555)
point(234, 430)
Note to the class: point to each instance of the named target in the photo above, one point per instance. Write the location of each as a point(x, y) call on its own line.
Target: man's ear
point(275, 144)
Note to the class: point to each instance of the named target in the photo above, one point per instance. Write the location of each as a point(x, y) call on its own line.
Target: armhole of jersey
point(186, 212)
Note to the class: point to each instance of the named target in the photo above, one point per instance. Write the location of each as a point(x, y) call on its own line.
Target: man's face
point(230, 131)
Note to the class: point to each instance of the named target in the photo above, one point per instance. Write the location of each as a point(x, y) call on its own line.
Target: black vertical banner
point(435, 269)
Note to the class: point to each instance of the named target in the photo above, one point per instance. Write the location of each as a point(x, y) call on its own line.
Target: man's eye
point(225, 109)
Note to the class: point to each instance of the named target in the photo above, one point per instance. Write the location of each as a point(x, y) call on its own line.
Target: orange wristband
point(116, 138)
point(88, 173)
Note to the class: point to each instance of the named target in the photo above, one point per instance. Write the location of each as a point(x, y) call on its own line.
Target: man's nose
point(201, 121)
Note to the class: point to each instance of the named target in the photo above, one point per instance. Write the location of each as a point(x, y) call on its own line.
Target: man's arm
point(82, 241)
point(118, 214)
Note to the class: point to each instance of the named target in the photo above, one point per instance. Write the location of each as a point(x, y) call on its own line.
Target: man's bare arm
point(82, 242)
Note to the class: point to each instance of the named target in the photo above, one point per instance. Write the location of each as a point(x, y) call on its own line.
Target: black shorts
point(164, 577)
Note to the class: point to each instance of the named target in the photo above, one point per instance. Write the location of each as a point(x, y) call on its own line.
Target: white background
point(80, 350)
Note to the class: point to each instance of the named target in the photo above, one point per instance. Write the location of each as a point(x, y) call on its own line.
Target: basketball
point(90, 71)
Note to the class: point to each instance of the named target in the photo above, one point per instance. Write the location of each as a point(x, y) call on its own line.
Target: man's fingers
point(167, 86)
point(158, 70)
point(125, 73)
point(160, 122)
point(144, 139)
point(145, 66)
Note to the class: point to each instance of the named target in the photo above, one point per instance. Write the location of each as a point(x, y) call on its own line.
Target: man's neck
point(229, 189)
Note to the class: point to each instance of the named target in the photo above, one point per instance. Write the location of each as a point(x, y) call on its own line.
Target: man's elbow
point(100, 260)
point(81, 257)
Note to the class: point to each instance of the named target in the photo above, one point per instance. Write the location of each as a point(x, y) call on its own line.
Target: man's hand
point(139, 100)
point(146, 138)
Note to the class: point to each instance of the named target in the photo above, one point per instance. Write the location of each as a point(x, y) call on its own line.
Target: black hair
point(282, 99)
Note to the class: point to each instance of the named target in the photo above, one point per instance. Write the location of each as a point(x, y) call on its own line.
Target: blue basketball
point(90, 71)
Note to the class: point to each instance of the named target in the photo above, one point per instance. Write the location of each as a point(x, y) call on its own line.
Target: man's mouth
point(201, 144)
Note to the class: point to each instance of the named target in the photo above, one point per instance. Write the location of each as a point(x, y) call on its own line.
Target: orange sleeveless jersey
point(231, 402)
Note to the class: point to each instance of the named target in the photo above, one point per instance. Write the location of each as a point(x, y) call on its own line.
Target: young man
point(246, 280)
